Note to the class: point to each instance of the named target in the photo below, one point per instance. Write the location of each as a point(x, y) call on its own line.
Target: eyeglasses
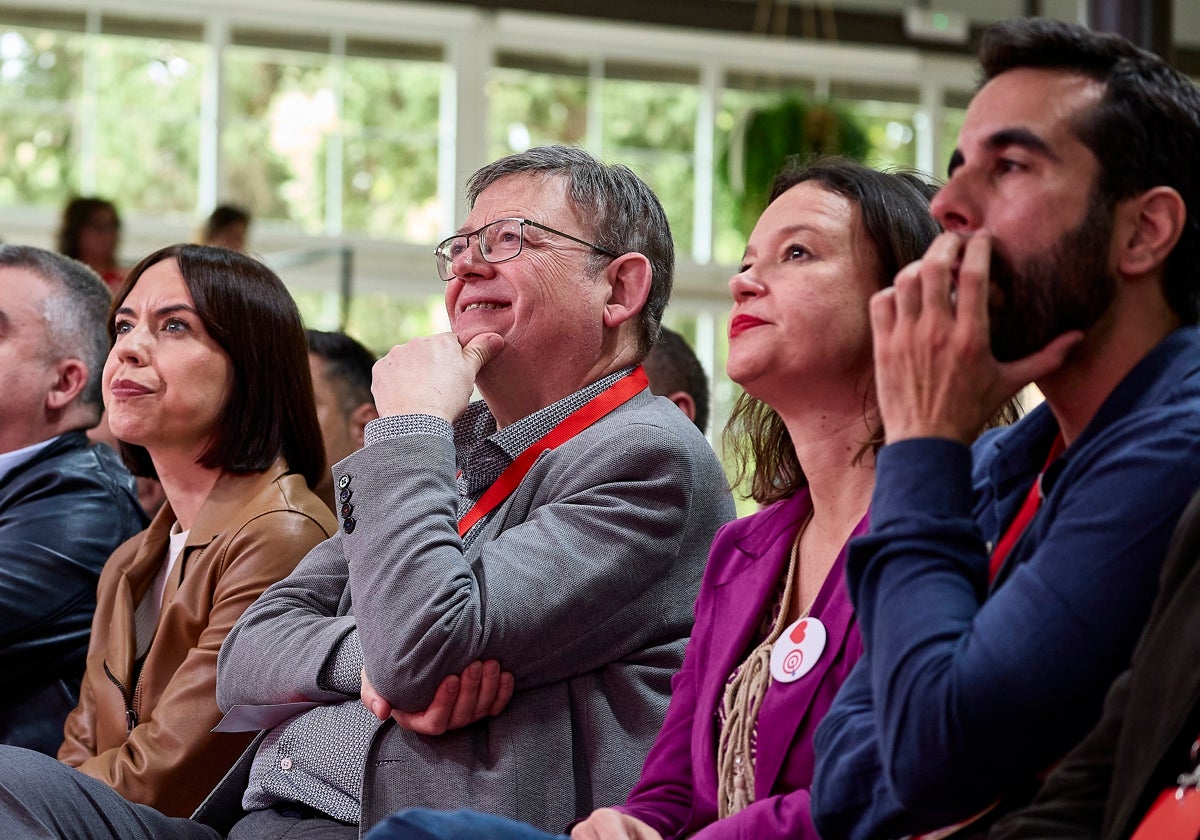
point(500, 240)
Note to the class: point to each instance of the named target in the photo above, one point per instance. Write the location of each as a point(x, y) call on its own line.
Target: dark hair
point(348, 365)
point(76, 215)
point(672, 366)
point(624, 215)
point(222, 216)
point(893, 209)
point(250, 315)
point(1144, 131)
point(75, 313)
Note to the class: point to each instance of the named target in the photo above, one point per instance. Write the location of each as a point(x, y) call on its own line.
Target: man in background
point(676, 373)
point(341, 374)
point(64, 505)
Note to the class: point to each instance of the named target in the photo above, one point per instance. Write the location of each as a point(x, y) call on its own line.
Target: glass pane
point(529, 108)
point(891, 131)
point(148, 129)
point(41, 75)
point(651, 127)
point(381, 321)
point(282, 110)
point(390, 189)
point(391, 149)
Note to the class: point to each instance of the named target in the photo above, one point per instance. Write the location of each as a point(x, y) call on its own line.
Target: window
point(41, 84)
point(334, 142)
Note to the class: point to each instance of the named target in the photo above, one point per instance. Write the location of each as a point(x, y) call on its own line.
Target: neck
point(1108, 352)
point(512, 394)
point(827, 444)
point(185, 483)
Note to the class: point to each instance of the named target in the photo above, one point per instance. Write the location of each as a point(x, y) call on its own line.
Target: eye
point(796, 252)
point(122, 327)
point(1005, 165)
point(455, 247)
point(175, 325)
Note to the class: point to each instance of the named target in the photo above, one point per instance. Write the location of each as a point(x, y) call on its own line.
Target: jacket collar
point(227, 500)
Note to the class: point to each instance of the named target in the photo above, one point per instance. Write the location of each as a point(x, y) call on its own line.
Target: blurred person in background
point(90, 232)
point(341, 374)
point(676, 373)
point(226, 227)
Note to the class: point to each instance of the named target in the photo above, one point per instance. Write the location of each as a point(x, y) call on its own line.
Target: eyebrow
point(166, 310)
point(1004, 138)
point(785, 232)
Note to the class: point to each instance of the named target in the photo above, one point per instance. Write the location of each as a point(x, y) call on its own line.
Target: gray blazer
point(581, 585)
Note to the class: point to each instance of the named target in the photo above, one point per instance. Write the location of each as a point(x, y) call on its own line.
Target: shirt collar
point(9, 461)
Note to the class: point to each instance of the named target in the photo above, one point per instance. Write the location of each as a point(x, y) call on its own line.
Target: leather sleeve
point(59, 522)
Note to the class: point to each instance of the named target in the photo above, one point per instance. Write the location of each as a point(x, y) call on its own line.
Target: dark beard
point(1065, 287)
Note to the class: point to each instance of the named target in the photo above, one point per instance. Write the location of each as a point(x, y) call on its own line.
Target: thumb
point(1044, 362)
point(482, 349)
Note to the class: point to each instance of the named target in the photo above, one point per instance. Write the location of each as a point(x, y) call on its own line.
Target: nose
point(955, 206)
point(745, 284)
point(133, 347)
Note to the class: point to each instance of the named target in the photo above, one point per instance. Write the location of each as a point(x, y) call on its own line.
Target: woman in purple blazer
point(775, 633)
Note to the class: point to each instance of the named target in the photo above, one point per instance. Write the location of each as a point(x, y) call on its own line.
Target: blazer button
point(348, 525)
point(347, 509)
point(345, 495)
point(344, 481)
point(285, 763)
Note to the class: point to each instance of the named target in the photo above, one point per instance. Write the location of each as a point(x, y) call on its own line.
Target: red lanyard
point(1029, 507)
point(612, 397)
point(1175, 814)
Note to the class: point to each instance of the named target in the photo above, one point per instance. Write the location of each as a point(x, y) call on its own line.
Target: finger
point(434, 719)
point(503, 694)
point(907, 293)
point(489, 687)
point(883, 315)
point(481, 349)
point(372, 699)
point(463, 713)
point(937, 272)
point(1033, 367)
point(974, 285)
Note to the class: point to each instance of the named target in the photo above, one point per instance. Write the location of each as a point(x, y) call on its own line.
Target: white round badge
point(797, 650)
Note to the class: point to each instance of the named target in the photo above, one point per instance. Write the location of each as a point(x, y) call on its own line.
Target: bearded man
point(1003, 585)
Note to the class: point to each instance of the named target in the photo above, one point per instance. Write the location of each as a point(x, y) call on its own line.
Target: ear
point(685, 402)
point(1146, 228)
point(71, 376)
point(629, 285)
point(359, 418)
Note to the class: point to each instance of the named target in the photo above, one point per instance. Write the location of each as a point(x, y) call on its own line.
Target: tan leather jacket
point(149, 737)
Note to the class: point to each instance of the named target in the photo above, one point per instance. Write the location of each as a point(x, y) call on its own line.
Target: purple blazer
point(677, 792)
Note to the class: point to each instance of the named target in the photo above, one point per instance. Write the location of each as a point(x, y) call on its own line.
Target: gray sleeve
point(278, 650)
point(579, 582)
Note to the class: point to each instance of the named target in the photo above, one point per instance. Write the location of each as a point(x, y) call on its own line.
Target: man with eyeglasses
point(558, 528)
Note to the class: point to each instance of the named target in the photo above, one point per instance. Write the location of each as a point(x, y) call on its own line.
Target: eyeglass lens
point(501, 240)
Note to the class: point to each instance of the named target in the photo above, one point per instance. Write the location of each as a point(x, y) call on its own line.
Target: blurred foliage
point(765, 137)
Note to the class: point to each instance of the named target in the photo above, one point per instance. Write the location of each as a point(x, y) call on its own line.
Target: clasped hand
point(483, 690)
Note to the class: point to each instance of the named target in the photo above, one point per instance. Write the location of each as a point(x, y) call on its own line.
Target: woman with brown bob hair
point(207, 387)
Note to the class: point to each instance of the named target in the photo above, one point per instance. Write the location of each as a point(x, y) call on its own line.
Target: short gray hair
point(76, 311)
point(623, 213)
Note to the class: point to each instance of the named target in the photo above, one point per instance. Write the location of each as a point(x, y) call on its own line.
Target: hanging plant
point(765, 137)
